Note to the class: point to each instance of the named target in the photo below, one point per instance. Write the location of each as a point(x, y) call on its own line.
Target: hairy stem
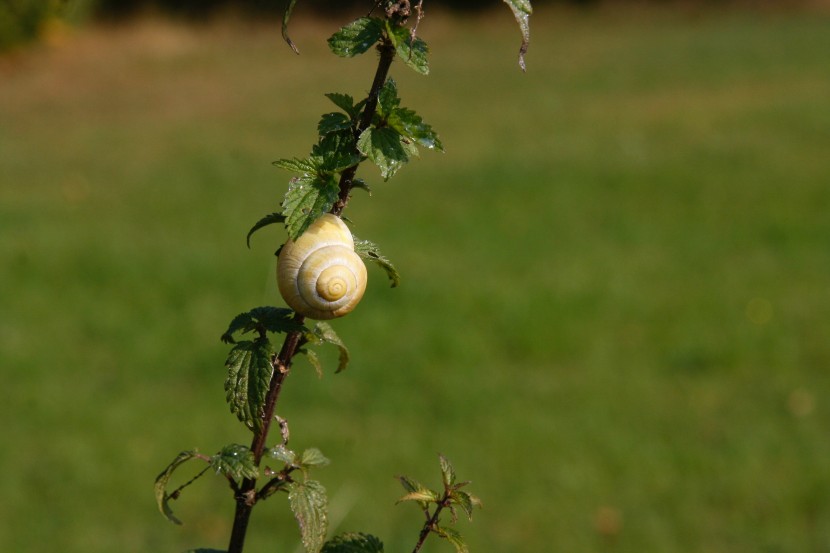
point(247, 495)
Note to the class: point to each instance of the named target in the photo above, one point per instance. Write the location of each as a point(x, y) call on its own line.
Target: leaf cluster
point(432, 503)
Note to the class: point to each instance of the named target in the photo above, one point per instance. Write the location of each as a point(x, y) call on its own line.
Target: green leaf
point(270, 319)
point(447, 472)
point(305, 167)
point(454, 537)
point(332, 122)
point(313, 457)
point(425, 496)
point(353, 543)
point(521, 11)
point(323, 333)
point(285, 17)
point(236, 461)
point(314, 359)
point(306, 200)
point(344, 102)
point(282, 453)
point(356, 37)
point(466, 501)
point(249, 375)
point(369, 251)
point(412, 126)
point(264, 222)
point(361, 184)
point(383, 147)
point(412, 50)
point(337, 151)
point(415, 488)
point(388, 98)
point(162, 498)
point(310, 506)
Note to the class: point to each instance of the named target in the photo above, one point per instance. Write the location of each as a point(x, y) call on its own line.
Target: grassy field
point(615, 313)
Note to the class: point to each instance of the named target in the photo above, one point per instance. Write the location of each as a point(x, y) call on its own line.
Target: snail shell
point(319, 275)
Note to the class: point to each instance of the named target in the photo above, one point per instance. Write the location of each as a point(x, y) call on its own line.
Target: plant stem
point(387, 55)
point(246, 497)
point(431, 524)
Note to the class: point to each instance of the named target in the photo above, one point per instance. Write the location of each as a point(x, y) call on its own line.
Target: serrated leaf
point(521, 11)
point(353, 543)
point(454, 537)
point(313, 457)
point(337, 151)
point(270, 319)
point(344, 102)
point(412, 126)
point(356, 37)
point(283, 454)
point(160, 488)
point(369, 251)
point(269, 219)
point(310, 506)
point(236, 461)
point(285, 17)
point(249, 375)
point(323, 333)
point(306, 200)
point(412, 51)
point(466, 501)
point(332, 122)
point(388, 98)
point(307, 166)
point(383, 147)
point(447, 472)
point(415, 487)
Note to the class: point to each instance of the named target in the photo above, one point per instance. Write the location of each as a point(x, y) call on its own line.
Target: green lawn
point(615, 312)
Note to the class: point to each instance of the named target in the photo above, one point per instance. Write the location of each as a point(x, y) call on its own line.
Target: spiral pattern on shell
point(319, 275)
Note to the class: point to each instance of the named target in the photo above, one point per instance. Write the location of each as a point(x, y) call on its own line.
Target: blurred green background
point(615, 311)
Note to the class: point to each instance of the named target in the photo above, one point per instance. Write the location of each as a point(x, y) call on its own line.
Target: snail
point(319, 275)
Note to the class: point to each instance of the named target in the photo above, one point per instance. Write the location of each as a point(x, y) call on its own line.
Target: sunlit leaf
point(447, 472)
point(356, 37)
point(369, 251)
point(411, 125)
point(313, 457)
point(310, 506)
point(383, 147)
point(412, 51)
point(249, 375)
point(306, 200)
point(235, 461)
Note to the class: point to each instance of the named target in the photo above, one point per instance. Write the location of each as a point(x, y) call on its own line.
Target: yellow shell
point(320, 276)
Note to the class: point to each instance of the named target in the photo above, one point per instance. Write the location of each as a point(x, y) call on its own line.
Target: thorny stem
point(431, 523)
point(246, 496)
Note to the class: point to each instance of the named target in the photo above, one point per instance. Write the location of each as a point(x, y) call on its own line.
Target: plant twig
point(431, 523)
point(247, 494)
